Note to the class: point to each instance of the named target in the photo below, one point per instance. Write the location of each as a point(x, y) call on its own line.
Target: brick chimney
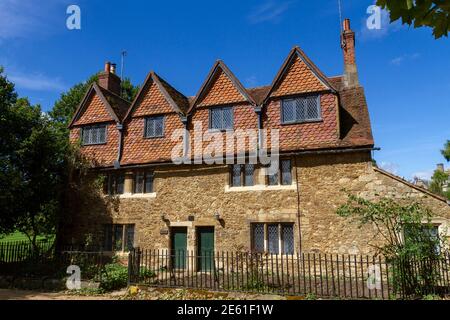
point(108, 78)
point(348, 48)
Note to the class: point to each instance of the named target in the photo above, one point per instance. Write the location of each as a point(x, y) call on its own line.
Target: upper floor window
point(95, 134)
point(301, 109)
point(143, 182)
point(284, 174)
point(221, 118)
point(243, 175)
point(115, 184)
point(154, 127)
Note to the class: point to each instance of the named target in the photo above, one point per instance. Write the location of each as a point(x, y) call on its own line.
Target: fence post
point(130, 266)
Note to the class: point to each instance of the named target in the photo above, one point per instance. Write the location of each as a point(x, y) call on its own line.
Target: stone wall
point(190, 196)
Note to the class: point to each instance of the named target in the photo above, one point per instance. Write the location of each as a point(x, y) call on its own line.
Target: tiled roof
point(118, 104)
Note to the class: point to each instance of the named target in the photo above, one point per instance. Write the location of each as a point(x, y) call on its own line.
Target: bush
point(114, 277)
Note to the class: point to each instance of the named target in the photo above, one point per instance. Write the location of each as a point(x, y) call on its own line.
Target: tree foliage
point(419, 13)
point(404, 230)
point(31, 165)
point(446, 151)
point(439, 180)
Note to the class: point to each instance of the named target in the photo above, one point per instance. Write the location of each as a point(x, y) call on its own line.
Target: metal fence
point(17, 251)
point(321, 275)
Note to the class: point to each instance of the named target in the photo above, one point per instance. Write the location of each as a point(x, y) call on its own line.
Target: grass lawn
point(17, 236)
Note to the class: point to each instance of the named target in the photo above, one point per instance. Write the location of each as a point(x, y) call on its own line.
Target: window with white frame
point(274, 238)
point(427, 234)
point(143, 182)
point(95, 134)
point(221, 118)
point(154, 127)
point(242, 175)
point(301, 109)
point(283, 176)
point(118, 237)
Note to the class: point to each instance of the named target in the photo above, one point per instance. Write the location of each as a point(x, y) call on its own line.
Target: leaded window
point(95, 134)
point(118, 237)
point(154, 127)
point(301, 109)
point(143, 182)
point(115, 183)
point(221, 118)
point(286, 173)
point(274, 238)
point(258, 237)
point(242, 175)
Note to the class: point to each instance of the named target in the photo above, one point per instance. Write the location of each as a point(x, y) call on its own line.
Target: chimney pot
point(346, 25)
point(108, 78)
point(107, 66)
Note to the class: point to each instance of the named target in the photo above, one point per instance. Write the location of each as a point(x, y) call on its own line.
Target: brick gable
point(298, 78)
point(94, 111)
point(221, 91)
point(152, 102)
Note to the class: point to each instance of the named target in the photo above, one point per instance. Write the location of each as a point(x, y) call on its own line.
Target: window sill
point(137, 195)
point(132, 195)
point(301, 122)
point(261, 187)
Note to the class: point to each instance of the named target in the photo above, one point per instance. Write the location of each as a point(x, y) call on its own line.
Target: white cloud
point(251, 81)
point(423, 175)
point(404, 58)
point(24, 18)
point(389, 167)
point(37, 81)
point(269, 11)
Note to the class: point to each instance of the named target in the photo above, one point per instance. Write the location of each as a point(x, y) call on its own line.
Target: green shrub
point(114, 276)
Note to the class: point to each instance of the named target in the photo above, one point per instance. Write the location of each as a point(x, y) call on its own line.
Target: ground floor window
point(118, 237)
point(274, 238)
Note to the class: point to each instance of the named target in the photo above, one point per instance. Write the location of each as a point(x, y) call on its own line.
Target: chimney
point(348, 48)
point(108, 78)
point(440, 167)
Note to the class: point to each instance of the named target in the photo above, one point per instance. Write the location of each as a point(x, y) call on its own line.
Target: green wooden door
point(205, 236)
point(179, 247)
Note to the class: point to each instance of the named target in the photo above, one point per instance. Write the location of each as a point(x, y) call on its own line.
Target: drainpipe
point(184, 120)
point(119, 127)
point(258, 111)
point(298, 207)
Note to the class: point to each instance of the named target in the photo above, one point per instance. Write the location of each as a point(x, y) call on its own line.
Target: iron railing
point(321, 275)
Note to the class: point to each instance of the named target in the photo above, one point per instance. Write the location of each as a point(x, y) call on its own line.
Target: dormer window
point(221, 118)
point(154, 127)
point(301, 109)
point(93, 135)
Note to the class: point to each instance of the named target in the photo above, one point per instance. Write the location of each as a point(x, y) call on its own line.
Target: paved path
point(12, 294)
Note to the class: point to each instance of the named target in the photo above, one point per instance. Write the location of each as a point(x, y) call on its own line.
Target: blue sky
point(404, 70)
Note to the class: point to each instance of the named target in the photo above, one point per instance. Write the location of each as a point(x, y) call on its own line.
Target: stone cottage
point(151, 201)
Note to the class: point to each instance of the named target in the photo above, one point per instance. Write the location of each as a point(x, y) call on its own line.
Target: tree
point(31, 164)
point(419, 13)
point(407, 239)
point(446, 151)
point(439, 180)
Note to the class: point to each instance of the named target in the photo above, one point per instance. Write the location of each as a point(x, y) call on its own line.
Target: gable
point(221, 91)
point(93, 111)
point(298, 78)
point(152, 101)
